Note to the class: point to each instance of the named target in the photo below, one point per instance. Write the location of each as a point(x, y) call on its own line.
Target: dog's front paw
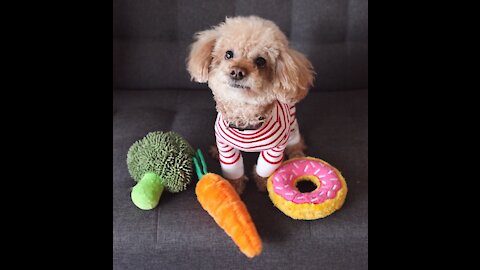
point(296, 150)
point(295, 154)
point(239, 184)
point(261, 182)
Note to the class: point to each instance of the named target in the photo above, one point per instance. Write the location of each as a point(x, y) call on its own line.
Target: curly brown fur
point(286, 76)
point(296, 150)
point(239, 184)
point(261, 182)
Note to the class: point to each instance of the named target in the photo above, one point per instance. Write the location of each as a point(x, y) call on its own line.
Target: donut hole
point(305, 185)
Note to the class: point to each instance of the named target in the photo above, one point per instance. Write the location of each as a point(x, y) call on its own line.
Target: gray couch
point(152, 91)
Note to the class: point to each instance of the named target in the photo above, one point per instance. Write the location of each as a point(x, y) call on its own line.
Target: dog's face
point(247, 61)
point(243, 61)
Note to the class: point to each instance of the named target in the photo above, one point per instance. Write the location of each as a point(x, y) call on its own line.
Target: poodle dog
point(256, 80)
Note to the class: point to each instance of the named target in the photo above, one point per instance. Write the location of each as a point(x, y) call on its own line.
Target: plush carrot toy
point(218, 197)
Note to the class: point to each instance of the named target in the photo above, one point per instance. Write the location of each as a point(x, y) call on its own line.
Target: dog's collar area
point(249, 127)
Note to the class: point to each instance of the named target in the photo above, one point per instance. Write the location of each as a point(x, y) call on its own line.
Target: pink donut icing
point(283, 181)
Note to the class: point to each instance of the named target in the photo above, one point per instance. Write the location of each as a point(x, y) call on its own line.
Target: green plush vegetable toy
point(159, 160)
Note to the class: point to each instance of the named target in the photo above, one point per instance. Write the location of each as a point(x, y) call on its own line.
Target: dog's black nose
point(237, 73)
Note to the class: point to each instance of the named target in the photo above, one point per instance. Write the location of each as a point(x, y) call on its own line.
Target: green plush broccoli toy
point(161, 160)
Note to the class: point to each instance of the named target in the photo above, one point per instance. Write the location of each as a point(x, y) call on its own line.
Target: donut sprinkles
point(328, 196)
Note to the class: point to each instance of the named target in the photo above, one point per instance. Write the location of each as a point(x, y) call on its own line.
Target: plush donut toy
point(328, 184)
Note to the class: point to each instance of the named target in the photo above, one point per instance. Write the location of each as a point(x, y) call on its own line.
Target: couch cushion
point(151, 38)
point(179, 234)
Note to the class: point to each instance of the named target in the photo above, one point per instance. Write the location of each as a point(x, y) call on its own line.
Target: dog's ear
point(294, 76)
point(200, 55)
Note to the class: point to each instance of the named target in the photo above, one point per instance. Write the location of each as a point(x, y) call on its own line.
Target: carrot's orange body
point(218, 197)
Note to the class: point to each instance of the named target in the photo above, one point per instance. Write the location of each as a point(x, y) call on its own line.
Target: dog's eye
point(260, 62)
point(228, 55)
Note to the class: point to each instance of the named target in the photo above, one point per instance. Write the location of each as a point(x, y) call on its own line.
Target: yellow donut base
point(309, 211)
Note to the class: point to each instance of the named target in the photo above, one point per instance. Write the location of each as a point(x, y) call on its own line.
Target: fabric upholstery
point(179, 234)
point(151, 38)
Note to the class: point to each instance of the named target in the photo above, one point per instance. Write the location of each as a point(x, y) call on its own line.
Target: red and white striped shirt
point(270, 139)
